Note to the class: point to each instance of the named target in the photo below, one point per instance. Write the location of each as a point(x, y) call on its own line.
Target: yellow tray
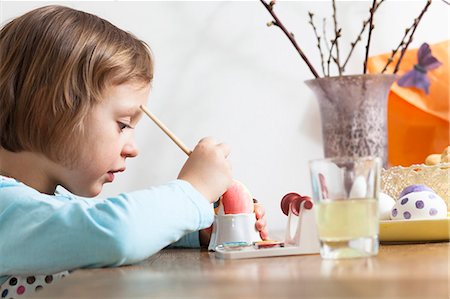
point(415, 230)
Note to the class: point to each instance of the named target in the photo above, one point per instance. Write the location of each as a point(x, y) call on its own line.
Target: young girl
point(71, 85)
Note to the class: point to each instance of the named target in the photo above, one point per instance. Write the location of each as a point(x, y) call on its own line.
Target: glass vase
point(354, 114)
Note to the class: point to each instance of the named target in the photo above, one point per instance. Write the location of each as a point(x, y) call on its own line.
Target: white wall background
point(220, 71)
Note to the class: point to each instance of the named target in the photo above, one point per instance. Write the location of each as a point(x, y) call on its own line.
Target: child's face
point(109, 139)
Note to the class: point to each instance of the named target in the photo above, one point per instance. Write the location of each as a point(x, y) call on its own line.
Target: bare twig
point(311, 21)
point(358, 38)
point(333, 44)
point(324, 24)
point(390, 59)
point(336, 37)
point(409, 33)
point(401, 44)
point(280, 25)
point(416, 23)
point(371, 26)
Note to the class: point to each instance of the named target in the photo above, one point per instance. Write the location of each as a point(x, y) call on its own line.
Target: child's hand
point(261, 221)
point(207, 169)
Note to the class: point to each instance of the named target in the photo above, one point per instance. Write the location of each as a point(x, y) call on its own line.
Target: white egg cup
point(233, 228)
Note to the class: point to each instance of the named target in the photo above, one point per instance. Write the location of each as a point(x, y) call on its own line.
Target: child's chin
point(96, 192)
point(93, 192)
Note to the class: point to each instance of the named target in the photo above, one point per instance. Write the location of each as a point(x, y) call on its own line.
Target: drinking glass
point(345, 192)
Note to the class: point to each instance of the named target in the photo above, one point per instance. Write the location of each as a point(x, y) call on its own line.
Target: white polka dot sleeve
point(22, 287)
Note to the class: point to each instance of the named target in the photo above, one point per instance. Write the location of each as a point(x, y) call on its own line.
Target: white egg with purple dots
point(419, 202)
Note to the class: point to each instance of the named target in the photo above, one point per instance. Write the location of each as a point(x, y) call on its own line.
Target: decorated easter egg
point(415, 188)
point(419, 202)
point(385, 204)
point(237, 199)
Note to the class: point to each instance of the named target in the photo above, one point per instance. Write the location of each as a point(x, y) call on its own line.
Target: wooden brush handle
point(166, 130)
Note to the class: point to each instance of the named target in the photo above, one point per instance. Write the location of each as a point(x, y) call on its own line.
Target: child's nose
point(130, 149)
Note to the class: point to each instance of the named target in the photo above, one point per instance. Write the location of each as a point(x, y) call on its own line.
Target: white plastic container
point(233, 228)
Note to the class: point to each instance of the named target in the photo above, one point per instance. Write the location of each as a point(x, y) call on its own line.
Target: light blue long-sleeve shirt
point(44, 234)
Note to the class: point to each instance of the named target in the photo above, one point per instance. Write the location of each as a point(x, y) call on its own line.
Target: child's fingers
point(225, 148)
point(261, 224)
point(229, 164)
point(207, 140)
point(259, 211)
point(211, 142)
point(264, 235)
point(261, 221)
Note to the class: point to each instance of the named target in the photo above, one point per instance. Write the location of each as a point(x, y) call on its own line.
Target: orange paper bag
point(418, 124)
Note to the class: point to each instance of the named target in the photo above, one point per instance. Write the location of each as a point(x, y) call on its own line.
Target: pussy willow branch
point(280, 25)
point(324, 24)
point(311, 21)
point(416, 23)
point(333, 43)
point(333, 57)
point(336, 37)
point(371, 26)
point(401, 44)
point(358, 38)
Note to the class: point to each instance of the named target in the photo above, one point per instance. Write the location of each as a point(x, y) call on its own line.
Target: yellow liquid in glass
point(348, 219)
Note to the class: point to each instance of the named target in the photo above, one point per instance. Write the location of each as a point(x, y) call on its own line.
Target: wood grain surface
point(398, 271)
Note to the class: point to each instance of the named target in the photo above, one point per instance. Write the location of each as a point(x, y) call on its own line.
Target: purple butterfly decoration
point(417, 77)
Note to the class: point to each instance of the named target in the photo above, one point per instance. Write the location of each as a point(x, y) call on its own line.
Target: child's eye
point(123, 126)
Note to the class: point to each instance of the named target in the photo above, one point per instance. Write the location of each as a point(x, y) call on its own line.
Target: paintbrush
point(166, 130)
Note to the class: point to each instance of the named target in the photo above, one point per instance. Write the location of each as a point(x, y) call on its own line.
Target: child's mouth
point(110, 176)
point(112, 172)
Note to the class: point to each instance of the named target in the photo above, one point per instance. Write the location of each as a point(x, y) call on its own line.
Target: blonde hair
point(55, 64)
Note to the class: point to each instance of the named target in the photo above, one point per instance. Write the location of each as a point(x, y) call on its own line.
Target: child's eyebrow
point(132, 111)
point(138, 114)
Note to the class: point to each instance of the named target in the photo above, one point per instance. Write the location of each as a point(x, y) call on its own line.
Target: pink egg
point(237, 199)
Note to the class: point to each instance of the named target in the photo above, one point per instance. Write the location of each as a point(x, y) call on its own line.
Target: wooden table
point(399, 271)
